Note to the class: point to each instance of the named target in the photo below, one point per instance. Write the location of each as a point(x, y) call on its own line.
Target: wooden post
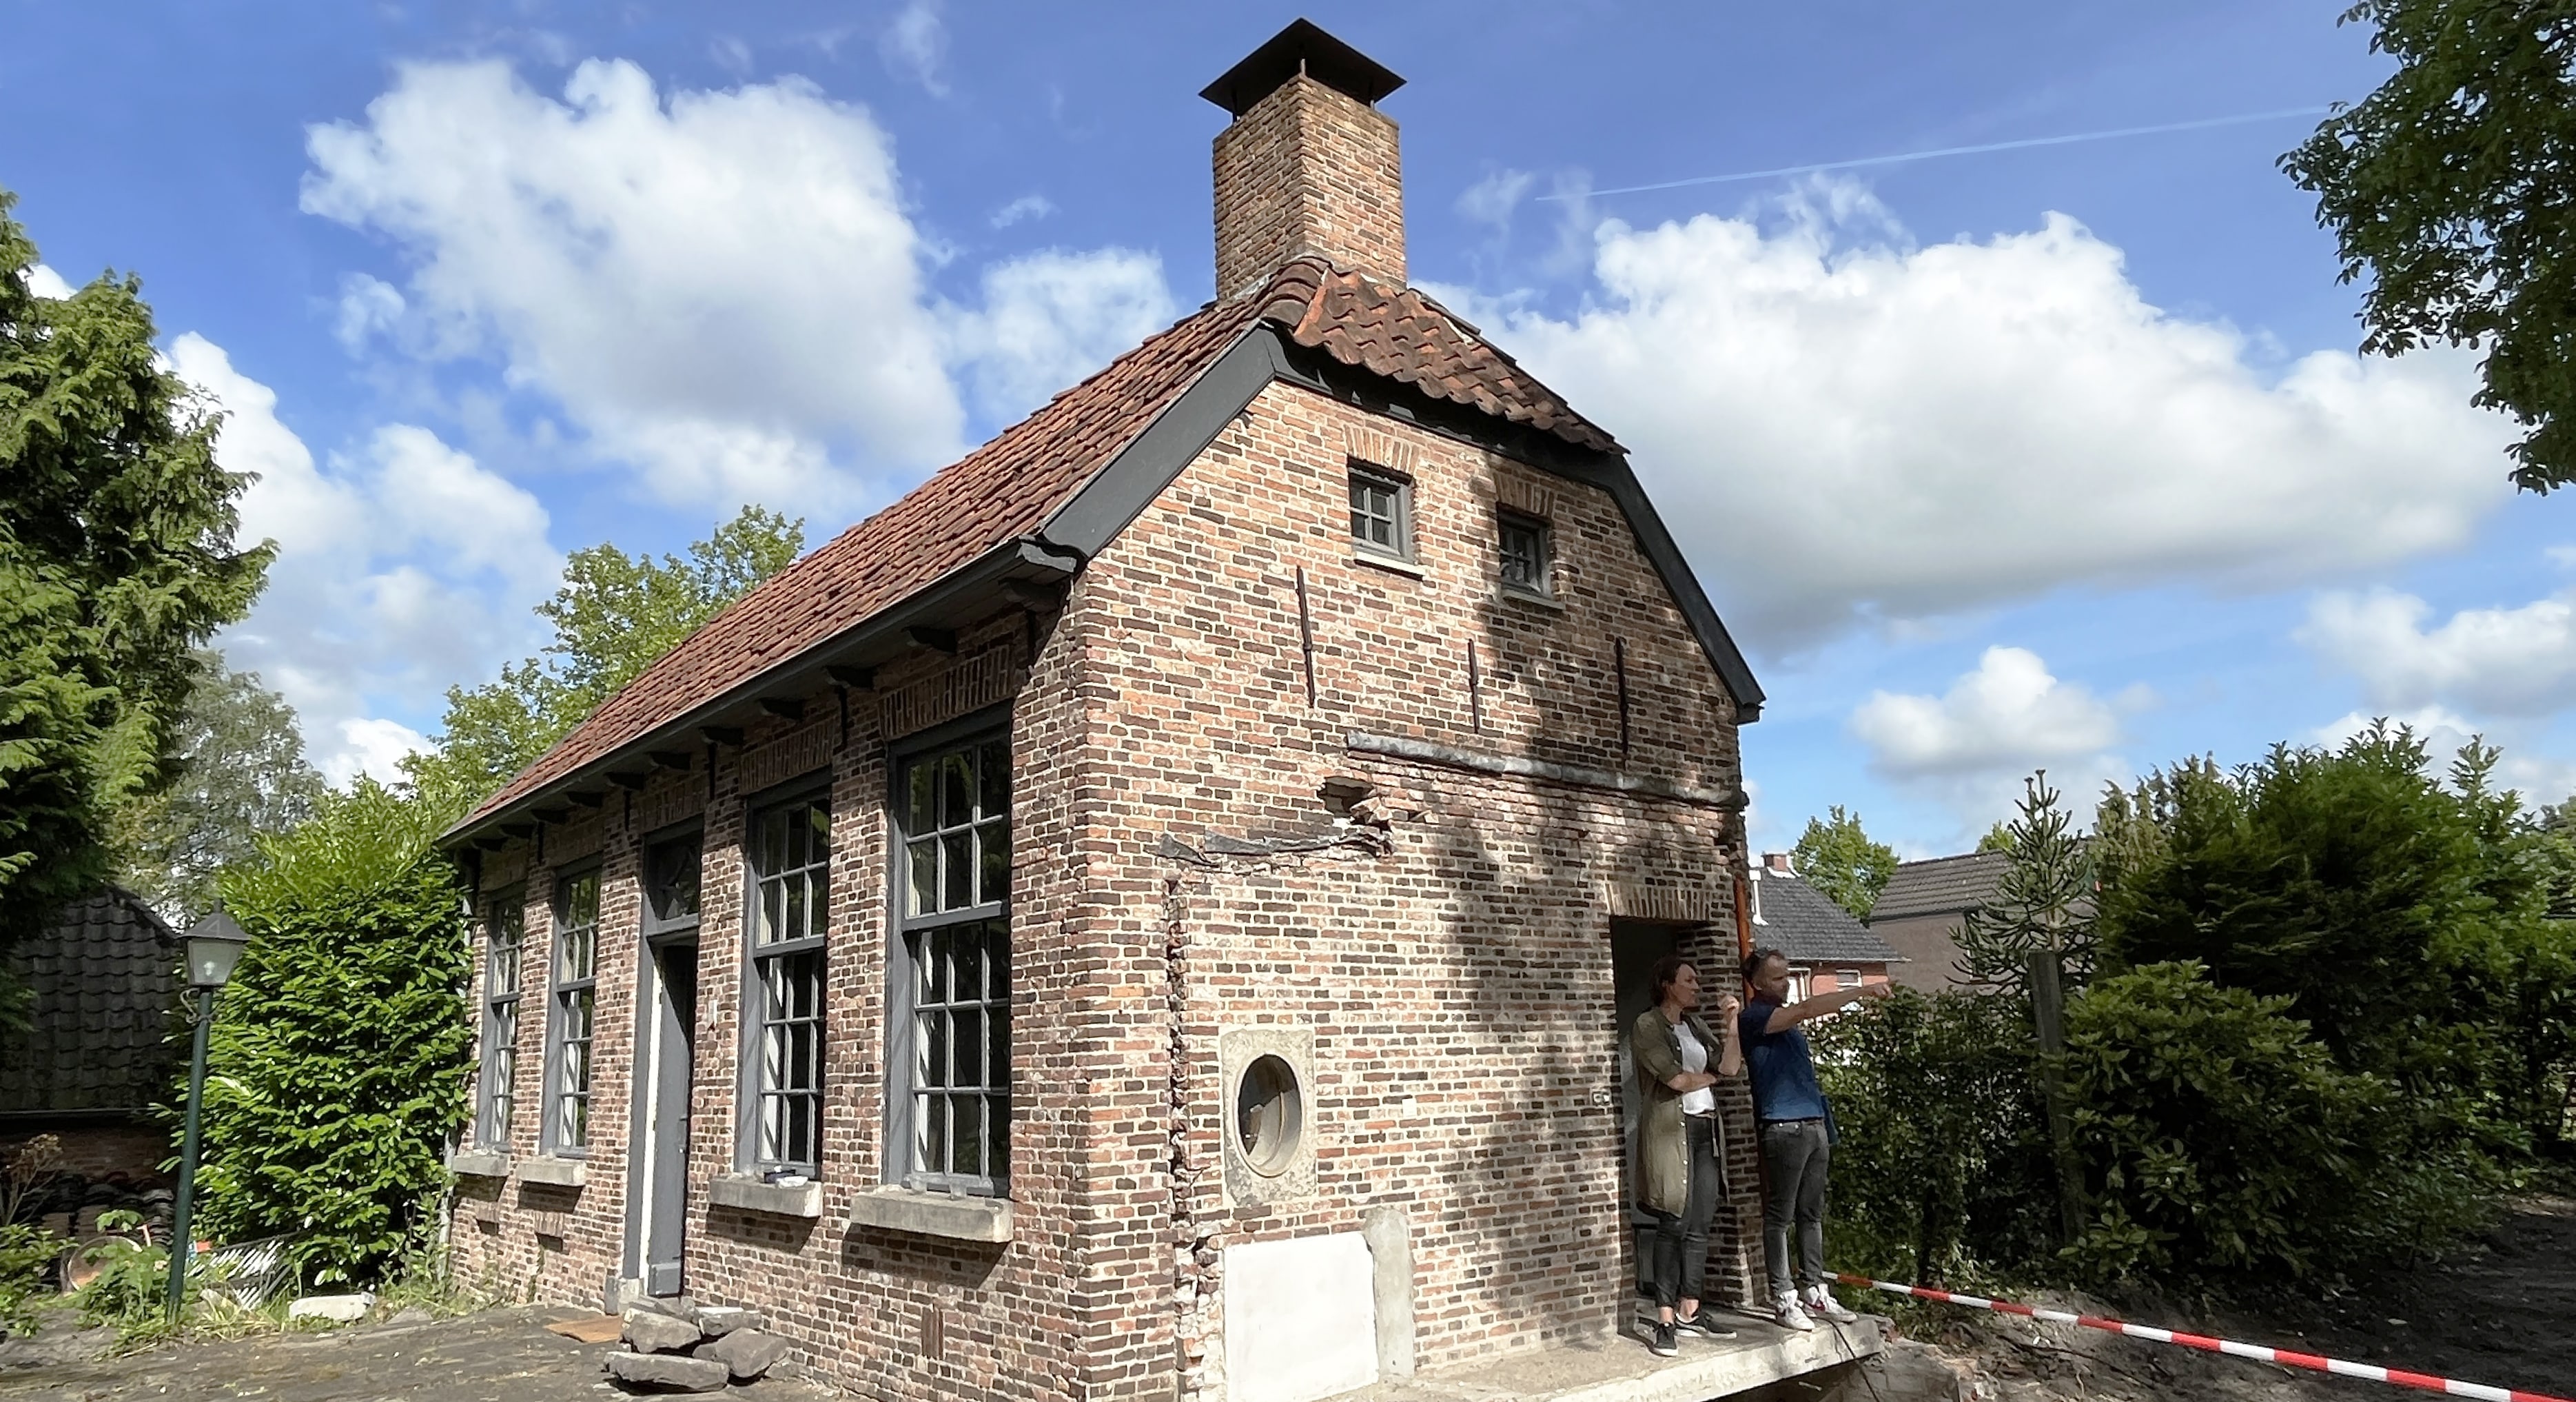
point(2048, 1015)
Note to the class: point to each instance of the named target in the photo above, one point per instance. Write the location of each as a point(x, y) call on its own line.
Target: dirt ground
point(2498, 1310)
point(502, 1355)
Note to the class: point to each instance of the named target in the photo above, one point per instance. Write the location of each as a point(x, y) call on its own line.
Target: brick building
point(1147, 913)
point(94, 1054)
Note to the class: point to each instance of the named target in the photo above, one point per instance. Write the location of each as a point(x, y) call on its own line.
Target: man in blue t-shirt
point(1795, 1145)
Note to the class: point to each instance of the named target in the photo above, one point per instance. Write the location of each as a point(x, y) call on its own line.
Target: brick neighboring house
point(1921, 910)
point(1150, 913)
point(95, 1055)
point(1825, 946)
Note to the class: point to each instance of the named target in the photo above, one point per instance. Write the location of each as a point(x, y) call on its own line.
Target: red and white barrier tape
point(2287, 1359)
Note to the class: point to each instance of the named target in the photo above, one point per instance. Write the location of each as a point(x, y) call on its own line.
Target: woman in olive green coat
point(1680, 1147)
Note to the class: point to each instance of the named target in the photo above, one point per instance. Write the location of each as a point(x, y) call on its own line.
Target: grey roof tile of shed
point(105, 975)
point(1940, 886)
point(1804, 924)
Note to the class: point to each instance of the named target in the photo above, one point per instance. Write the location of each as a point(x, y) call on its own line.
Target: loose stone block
point(649, 1332)
point(671, 1370)
point(746, 1353)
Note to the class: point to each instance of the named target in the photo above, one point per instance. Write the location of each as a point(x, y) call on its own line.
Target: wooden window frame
point(945, 937)
point(572, 1015)
point(1543, 535)
point(795, 968)
point(1365, 476)
point(496, 1089)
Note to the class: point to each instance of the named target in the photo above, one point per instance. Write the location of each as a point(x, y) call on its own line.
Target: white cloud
point(1492, 199)
point(399, 570)
point(916, 43)
point(1972, 745)
point(721, 287)
point(1051, 318)
point(1842, 428)
point(369, 307)
point(374, 747)
point(47, 283)
point(1025, 207)
point(2494, 661)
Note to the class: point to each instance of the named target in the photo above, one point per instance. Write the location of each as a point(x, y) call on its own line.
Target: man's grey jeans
point(1794, 1156)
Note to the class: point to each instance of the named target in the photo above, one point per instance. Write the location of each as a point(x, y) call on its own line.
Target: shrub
point(340, 1050)
point(25, 1252)
point(2217, 1135)
point(1942, 1166)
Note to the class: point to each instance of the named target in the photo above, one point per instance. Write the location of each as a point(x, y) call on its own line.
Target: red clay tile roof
point(1405, 336)
point(1009, 487)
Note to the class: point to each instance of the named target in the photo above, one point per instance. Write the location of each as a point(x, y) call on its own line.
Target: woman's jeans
point(1793, 1160)
point(1681, 1241)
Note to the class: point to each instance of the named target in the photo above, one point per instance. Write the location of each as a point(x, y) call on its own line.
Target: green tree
point(2392, 911)
point(241, 776)
point(2045, 900)
point(2454, 187)
point(1997, 839)
point(336, 1069)
point(614, 616)
point(116, 558)
point(1836, 857)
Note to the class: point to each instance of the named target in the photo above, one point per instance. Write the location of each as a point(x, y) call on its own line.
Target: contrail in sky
point(2204, 123)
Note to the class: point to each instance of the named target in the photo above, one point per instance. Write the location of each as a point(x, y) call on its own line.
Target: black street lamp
point(214, 945)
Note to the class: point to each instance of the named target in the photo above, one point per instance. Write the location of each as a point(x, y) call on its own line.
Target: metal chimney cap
point(1303, 47)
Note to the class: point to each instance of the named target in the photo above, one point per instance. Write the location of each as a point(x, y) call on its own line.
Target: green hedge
point(339, 1059)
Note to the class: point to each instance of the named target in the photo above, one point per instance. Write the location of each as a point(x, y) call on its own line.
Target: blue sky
point(2051, 456)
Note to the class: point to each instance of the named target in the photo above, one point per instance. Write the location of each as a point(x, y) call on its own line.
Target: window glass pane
point(997, 1145)
point(995, 883)
point(966, 968)
point(675, 881)
point(921, 813)
point(966, 1128)
point(967, 1029)
point(930, 1133)
point(791, 920)
point(994, 769)
point(956, 789)
point(922, 861)
point(957, 870)
point(818, 831)
point(930, 1037)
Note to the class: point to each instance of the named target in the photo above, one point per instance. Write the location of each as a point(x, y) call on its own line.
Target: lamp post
point(213, 945)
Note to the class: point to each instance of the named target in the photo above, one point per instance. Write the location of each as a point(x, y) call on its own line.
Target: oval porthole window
point(1269, 1116)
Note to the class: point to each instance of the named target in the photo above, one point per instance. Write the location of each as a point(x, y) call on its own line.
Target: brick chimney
point(1309, 164)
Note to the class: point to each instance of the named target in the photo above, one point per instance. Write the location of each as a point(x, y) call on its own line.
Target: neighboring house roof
point(1940, 886)
point(1804, 924)
point(105, 980)
point(1061, 483)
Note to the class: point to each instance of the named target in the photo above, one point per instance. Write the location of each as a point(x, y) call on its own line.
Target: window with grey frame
point(1381, 512)
point(573, 987)
point(671, 886)
point(791, 854)
point(951, 1101)
point(505, 932)
point(1527, 553)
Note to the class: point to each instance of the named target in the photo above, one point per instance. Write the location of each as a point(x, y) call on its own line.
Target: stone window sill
point(741, 1190)
point(555, 1172)
point(1541, 601)
point(478, 1163)
point(1392, 563)
point(932, 1214)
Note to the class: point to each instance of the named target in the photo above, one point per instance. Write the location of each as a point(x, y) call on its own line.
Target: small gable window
point(1526, 554)
point(1381, 512)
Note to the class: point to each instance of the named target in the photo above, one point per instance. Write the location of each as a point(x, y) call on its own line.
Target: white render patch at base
point(1301, 1318)
point(1619, 1369)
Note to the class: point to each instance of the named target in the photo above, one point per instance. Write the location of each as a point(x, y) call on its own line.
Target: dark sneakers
point(1705, 1324)
point(1663, 1345)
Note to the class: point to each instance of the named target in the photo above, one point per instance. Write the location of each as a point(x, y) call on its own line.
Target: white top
point(1694, 1058)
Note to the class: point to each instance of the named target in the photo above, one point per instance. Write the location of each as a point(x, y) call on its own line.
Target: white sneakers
point(1800, 1311)
point(1821, 1301)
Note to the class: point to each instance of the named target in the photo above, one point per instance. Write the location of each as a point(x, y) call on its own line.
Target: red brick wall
point(1308, 170)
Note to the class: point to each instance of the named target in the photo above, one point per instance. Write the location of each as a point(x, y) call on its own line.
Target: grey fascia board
point(1154, 459)
point(1657, 542)
point(989, 568)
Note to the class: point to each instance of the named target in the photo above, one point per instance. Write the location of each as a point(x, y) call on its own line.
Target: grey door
point(666, 1208)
